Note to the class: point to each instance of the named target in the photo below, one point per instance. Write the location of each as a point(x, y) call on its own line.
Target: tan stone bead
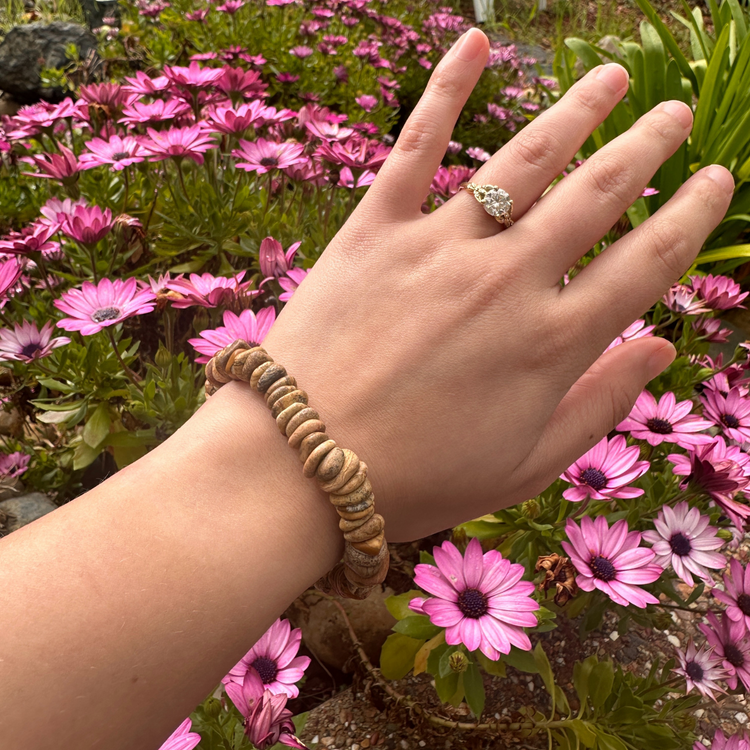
point(356, 481)
point(280, 383)
point(362, 492)
point(247, 360)
point(305, 429)
point(371, 528)
point(371, 546)
point(223, 359)
point(257, 371)
point(314, 459)
point(210, 388)
point(271, 375)
point(347, 471)
point(288, 400)
point(372, 577)
point(287, 414)
point(331, 465)
point(356, 515)
point(278, 393)
point(347, 526)
point(213, 376)
point(365, 565)
point(310, 443)
point(305, 415)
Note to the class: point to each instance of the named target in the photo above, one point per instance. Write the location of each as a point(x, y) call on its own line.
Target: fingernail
point(721, 176)
point(660, 360)
point(614, 76)
point(680, 111)
point(469, 45)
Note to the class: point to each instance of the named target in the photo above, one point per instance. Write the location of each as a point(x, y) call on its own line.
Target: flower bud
point(458, 662)
point(531, 508)
point(162, 357)
point(662, 620)
point(725, 534)
point(212, 707)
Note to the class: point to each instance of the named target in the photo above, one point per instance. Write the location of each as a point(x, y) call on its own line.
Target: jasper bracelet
point(339, 471)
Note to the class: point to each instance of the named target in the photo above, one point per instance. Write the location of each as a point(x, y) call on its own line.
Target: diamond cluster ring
point(495, 201)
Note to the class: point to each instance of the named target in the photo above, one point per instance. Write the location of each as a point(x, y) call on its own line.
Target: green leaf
point(417, 626)
point(97, 426)
point(522, 660)
point(544, 668)
point(609, 742)
point(425, 558)
point(397, 655)
point(584, 732)
point(56, 385)
point(723, 253)
point(423, 655)
point(447, 687)
point(444, 667)
point(496, 668)
point(582, 675)
point(84, 455)
point(434, 658)
point(600, 683)
point(638, 212)
point(398, 605)
point(474, 689)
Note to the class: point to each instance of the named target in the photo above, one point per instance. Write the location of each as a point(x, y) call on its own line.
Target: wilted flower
point(247, 326)
point(96, 306)
point(611, 560)
point(731, 644)
point(274, 658)
point(560, 573)
point(684, 539)
point(25, 342)
point(701, 670)
point(604, 472)
point(479, 598)
point(737, 592)
point(182, 738)
point(119, 152)
point(731, 413)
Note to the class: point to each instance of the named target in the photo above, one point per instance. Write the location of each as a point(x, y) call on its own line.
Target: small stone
point(614, 635)
point(355, 746)
point(327, 741)
point(497, 202)
point(674, 640)
point(422, 743)
point(365, 744)
point(404, 744)
point(741, 717)
point(699, 713)
point(315, 740)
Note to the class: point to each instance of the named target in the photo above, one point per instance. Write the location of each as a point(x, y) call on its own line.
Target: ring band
point(495, 201)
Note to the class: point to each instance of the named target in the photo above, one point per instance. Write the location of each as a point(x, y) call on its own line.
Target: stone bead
point(257, 372)
point(365, 565)
point(210, 388)
point(305, 429)
point(223, 359)
point(278, 393)
point(347, 526)
point(331, 465)
point(371, 546)
point(318, 454)
point(288, 400)
point(310, 443)
point(280, 383)
point(372, 577)
point(271, 375)
point(362, 492)
point(356, 515)
point(356, 481)
point(214, 377)
point(347, 471)
point(369, 529)
point(287, 414)
point(303, 416)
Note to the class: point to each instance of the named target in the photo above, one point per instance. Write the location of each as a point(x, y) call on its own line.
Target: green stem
point(132, 377)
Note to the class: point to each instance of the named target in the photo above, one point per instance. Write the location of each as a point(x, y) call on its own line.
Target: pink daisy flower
point(34, 238)
point(55, 211)
point(246, 326)
point(25, 342)
point(87, 224)
point(226, 119)
point(666, 420)
point(356, 152)
point(684, 540)
point(144, 85)
point(479, 599)
point(347, 179)
point(262, 156)
point(111, 96)
point(178, 143)
point(94, 307)
point(611, 560)
point(289, 283)
point(159, 110)
point(718, 292)
point(731, 413)
point(273, 260)
point(231, 6)
point(701, 670)
point(274, 658)
point(301, 51)
point(731, 644)
point(474, 152)
point(182, 738)
point(63, 166)
point(720, 742)
point(636, 330)
point(737, 592)
point(194, 76)
point(197, 15)
point(205, 290)
point(367, 102)
point(709, 329)
point(681, 298)
point(605, 472)
point(267, 720)
point(14, 464)
point(119, 152)
point(10, 273)
point(246, 83)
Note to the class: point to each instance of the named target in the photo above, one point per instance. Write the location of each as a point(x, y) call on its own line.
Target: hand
point(444, 351)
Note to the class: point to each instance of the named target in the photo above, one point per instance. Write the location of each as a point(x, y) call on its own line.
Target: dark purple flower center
point(30, 350)
point(694, 671)
point(105, 313)
point(730, 421)
point(743, 602)
point(680, 544)
point(594, 478)
point(269, 161)
point(603, 568)
point(266, 668)
point(659, 426)
point(120, 155)
point(473, 603)
point(733, 655)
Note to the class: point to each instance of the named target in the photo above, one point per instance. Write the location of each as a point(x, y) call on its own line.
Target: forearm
point(124, 608)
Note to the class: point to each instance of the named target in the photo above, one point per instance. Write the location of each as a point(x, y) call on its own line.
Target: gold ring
point(495, 201)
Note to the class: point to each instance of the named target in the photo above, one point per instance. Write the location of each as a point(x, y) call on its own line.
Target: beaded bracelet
point(339, 471)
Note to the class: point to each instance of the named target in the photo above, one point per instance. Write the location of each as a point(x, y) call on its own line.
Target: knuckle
point(444, 84)
point(417, 136)
point(669, 246)
point(612, 178)
point(590, 100)
point(535, 147)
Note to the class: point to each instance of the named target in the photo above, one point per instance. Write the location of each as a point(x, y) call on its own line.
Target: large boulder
point(27, 49)
point(96, 11)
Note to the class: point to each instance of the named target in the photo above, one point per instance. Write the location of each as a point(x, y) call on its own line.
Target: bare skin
point(442, 350)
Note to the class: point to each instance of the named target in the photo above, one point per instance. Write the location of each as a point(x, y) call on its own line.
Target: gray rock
point(11, 422)
point(27, 49)
point(25, 509)
point(96, 11)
